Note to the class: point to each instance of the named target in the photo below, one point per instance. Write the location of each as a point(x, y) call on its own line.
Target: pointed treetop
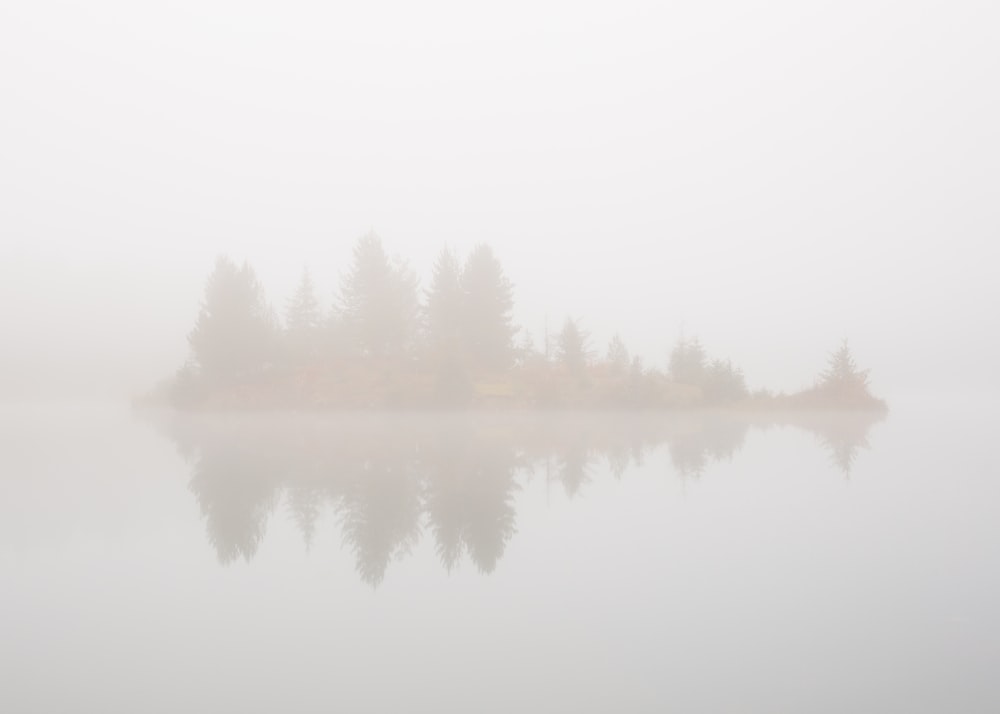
point(302, 312)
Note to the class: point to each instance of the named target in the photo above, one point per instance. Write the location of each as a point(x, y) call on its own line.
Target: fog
point(544, 357)
point(769, 178)
point(497, 563)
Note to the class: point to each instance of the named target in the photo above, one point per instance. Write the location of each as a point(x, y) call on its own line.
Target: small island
point(387, 344)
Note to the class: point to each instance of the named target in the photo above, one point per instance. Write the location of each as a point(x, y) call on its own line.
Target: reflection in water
point(392, 477)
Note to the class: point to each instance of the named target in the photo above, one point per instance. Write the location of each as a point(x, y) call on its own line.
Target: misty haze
point(544, 357)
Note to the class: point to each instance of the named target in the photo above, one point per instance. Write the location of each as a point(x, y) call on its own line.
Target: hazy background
point(770, 177)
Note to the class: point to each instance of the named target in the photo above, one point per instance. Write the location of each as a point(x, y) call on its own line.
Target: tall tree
point(723, 383)
point(445, 305)
point(525, 352)
point(843, 370)
point(573, 346)
point(843, 379)
point(688, 362)
point(302, 320)
point(378, 301)
point(235, 330)
point(302, 313)
point(488, 329)
point(618, 356)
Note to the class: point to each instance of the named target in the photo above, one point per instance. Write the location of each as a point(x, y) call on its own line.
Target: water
point(498, 563)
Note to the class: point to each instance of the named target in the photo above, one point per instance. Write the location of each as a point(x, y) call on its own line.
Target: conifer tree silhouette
point(302, 321)
point(378, 302)
point(488, 329)
point(236, 331)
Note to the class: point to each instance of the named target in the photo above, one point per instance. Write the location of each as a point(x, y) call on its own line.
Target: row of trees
point(377, 314)
point(457, 331)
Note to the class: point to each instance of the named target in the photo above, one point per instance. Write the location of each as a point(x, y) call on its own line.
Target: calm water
point(504, 563)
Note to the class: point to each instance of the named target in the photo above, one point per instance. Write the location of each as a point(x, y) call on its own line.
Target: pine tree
point(302, 313)
point(487, 326)
point(572, 346)
point(526, 352)
point(688, 362)
point(723, 383)
point(842, 369)
point(618, 356)
point(235, 330)
point(842, 378)
point(302, 321)
point(445, 305)
point(378, 302)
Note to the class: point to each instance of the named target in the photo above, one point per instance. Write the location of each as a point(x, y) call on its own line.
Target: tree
point(445, 305)
point(687, 362)
point(842, 378)
point(302, 313)
point(638, 383)
point(378, 301)
point(235, 330)
point(618, 356)
point(487, 326)
point(719, 380)
point(572, 347)
point(723, 383)
point(302, 320)
point(526, 352)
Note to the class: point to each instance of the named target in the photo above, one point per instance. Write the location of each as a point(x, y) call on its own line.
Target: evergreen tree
point(302, 313)
point(302, 321)
point(526, 352)
point(688, 362)
point(723, 383)
point(842, 369)
point(487, 329)
point(842, 377)
point(638, 382)
point(618, 356)
point(445, 304)
point(572, 347)
point(235, 330)
point(378, 302)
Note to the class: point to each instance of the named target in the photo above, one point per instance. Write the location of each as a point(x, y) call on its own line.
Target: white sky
point(769, 176)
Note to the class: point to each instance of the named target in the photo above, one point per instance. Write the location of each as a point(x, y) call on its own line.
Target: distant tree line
point(385, 342)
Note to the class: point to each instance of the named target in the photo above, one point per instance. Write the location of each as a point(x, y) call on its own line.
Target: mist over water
point(769, 179)
point(493, 562)
point(391, 478)
point(554, 357)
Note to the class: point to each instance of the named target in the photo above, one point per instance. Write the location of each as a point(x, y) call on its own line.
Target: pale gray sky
point(770, 176)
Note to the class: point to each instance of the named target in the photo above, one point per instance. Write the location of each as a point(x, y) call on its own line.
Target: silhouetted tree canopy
point(303, 313)
point(572, 346)
point(618, 356)
point(842, 371)
point(489, 301)
point(302, 321)
point(843, 381)
point(235, 331)
point(445, 307)
point(380, 347)
point(687, 362)
point(723, 383)
point(378, 301)
point(719, 381)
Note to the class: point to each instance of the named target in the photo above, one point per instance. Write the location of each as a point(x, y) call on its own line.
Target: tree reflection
point(236, 487)
point(389, 478)
point(380, 515)
point(698, 441)
point(469, 492)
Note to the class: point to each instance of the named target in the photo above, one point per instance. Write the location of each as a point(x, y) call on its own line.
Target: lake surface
point(501, 563)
